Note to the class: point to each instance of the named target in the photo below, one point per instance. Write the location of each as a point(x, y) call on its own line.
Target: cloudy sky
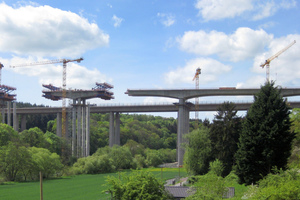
point(148, 44)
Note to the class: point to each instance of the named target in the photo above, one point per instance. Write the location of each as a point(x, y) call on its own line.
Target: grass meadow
point(79, 187)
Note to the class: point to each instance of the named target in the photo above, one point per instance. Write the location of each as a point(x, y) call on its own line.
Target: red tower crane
point(196, 77)
point(64, 84)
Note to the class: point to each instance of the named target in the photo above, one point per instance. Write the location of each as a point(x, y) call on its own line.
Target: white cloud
point(46, 31)
point(78, 76)
point(117, 21)
point(166, 19)
point(210, 67)
point(285, 68)
point(243, 44)
point(220, 9)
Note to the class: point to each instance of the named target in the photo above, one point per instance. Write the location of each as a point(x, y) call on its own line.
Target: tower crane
point(267, 62)
point(64, 84)
point(196, 78)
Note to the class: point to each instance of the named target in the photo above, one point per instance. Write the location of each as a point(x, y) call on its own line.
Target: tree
point(139, 185)
point(34, 137)
point(14, 159)
point(7, 134)
point(224, 135)
point(198, 151)
point(45, 161)
point(265, 141)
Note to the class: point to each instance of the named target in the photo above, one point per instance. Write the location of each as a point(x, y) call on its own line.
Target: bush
point(216, 167)
point(280, 186)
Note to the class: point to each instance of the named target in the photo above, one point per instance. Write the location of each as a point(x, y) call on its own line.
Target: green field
point(74, 188)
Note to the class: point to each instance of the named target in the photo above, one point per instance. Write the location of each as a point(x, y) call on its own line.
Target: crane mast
point(196, 78)
point(64, 83)
point(267, 62)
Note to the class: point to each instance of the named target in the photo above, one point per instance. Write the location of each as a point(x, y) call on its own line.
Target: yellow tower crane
point(267, 62)
point(64, 84)
point(196, 78)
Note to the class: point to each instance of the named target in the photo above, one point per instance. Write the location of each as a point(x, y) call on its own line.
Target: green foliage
point(153, 158)
point(152, 132)
point(285, 185)
point(216, 167)
point(44, 161)
point(294, 160)
point(209, 186)
point(14, 158)
point(139, 185)
point(198, 151)
point(7, 134)
point(224, 135)
point(34, 137)
point(265, 141)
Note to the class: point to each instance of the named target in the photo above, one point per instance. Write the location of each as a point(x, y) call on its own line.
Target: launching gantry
point(78, 133)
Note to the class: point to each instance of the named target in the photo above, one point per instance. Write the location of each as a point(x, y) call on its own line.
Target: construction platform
point(5, 94)
point(101, 90)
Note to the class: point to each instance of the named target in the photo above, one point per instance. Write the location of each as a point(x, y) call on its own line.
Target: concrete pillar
point(8, 113)
point(58, 124)
point(182, 129)
point(117, 129)
point(74, 128)
point(23, 122)
point(79, 127)
point(111, 129)
point(88, 111)
point(15, 117)
point(3, 115)
point(83, 135)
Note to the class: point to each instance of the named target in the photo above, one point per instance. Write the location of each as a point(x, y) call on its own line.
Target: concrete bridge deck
point(193, 93)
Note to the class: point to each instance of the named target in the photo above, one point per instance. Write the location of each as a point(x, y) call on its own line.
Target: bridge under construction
point(80, 111)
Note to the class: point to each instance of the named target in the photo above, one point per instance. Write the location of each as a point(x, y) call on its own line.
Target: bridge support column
point(114, 129)
point(111, 129)
point(58, 124)
point(3, 115)
point(117, 129)
point(15, 117)
point(182, 129)
point(88, 111)
point(23, 122)
point(74, 129)
point(83, 134)
point(79, 127)
point(8, 113)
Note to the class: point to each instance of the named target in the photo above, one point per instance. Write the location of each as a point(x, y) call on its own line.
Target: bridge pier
point(23, 122)
point(114, 129)
point(182, 128)
point(80, 138)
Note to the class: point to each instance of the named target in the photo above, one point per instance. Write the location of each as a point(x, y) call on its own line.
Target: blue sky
point(148, 44)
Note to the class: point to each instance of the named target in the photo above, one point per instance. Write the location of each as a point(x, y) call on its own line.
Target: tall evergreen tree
point(224, 135)
point(265, 141)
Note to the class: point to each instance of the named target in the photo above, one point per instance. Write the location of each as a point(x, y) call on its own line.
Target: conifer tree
point(224, 135)
point(265, 141)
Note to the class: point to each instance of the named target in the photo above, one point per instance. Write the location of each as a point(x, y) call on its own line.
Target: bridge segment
point(184, 107)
